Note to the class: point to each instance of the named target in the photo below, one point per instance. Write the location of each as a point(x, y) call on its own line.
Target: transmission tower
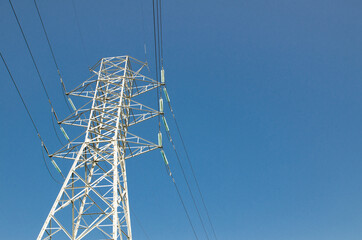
point(93, 201)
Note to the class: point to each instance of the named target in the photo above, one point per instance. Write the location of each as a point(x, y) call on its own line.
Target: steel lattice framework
point(93, 201)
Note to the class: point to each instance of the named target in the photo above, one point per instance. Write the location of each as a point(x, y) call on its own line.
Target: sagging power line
point(160, 72)
point(54, 59)
point(32, 121)
point(38, 72)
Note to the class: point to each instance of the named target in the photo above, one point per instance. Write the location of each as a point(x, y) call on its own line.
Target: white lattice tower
point(93, 201)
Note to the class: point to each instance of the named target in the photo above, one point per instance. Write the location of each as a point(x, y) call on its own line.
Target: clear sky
point(268, 95)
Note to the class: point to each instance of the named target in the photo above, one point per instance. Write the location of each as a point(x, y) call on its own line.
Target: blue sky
point(267, 94)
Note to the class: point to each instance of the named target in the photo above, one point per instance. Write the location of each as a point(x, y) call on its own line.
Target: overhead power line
point(158, 34)
point(30, 117)
point(160, 62)
point(157, 46)
point(161, 33)
point(46, 35)
point(140, 224)
point(187, 182)
point(42, 83)
point(79, 30)
point(192, 169)
point(53, 55)
point(143, 32)
point(158, 41)
point(21, 97)
point(178, 191)
point(31, 54)
point(156, 58)
point(184, 206)
point(34, 63)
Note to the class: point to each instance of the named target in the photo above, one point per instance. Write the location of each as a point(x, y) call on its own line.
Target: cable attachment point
point(162, 76)
point(166, 162)
point(161, 105)
point(45, 148)
point(164, 157)
point(160, 139)
point(55, 115)
point(63, 86)
point(57, 168)
point(166, 94)
point(64, 133)
point(72, 104)
point(165, 123)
